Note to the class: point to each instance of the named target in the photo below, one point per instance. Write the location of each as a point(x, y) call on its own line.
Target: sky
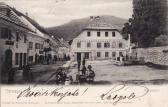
point(50, 13)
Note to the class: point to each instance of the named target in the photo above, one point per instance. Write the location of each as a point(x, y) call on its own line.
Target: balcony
point(47, 49)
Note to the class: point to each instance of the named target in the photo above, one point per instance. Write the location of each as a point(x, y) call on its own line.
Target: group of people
point(61, 76)
point(86, 71)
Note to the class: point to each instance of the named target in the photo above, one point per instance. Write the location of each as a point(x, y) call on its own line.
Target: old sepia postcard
point(83, 53)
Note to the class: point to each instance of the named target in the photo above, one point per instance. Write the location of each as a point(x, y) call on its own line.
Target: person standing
point(84, 70)
point(11, 74)
point(79, 63)
point(83, 62)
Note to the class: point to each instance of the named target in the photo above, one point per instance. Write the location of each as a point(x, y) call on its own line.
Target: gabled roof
point(33, 22)
point(13, 17)
point(99, 23)
point(21, 20)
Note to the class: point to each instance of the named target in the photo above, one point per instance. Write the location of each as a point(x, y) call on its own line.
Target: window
point(16, 58)
point(106, 34)
point(6, 33)
point(87, 55)
point(98, 54)
point(78, 44)
point(98, 45)
point(106, 54)
point(113, 45)
point(30, 45)
point(30, 59)
point(106, 45)
point(41, 46)
point(37, 46)
point(113, 54)
point(98, 34)
point(113, 34)
point(120, 45)
point(17, 36)
point(120, 54)
point(88, 45)
point(88, 34)
point(25, 38)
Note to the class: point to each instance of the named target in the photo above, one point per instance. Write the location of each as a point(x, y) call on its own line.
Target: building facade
point(98, 41)
point(13, 40)
point(22, 41)
point(63, 52)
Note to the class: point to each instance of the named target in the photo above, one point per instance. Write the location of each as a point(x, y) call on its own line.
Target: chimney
point(91, 18)
point(62, 39)
point(97, 17)
point(26, 13)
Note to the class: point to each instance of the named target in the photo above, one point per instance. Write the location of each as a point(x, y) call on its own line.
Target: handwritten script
point(60, 92)
point(113, 94)
point(124, 93)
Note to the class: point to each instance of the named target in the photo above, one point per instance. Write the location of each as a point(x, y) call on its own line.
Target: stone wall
point(156, 55)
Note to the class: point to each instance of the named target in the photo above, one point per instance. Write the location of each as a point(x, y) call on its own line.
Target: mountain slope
point(70, 30)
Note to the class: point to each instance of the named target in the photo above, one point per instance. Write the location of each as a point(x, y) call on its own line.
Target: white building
point(63, 49)
point(36, 41)
point(41, 45)
point(99, 40)
point(13, 40)
point(22, 40)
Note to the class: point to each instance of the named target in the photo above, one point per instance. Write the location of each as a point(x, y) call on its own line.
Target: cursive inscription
point(60, 92)
point(115, 94)
point(124, 93)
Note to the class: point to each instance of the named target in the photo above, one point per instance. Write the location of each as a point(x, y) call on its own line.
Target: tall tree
point(148, 21)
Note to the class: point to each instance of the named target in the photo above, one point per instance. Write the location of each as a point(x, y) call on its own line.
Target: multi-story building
point(63, 52)
point(22, 41)
point(41, 46)
point(36, 41)
point(99, 40)
point(13, 40)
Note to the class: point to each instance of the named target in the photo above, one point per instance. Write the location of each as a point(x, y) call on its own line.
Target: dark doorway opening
point(8, 66)
point(36, 58)
point(8, 58)
point(21, 61)
point(78, 56)
point(25, 59)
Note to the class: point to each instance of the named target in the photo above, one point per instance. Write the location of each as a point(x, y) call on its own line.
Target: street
point(106, 73)
point(40, 73)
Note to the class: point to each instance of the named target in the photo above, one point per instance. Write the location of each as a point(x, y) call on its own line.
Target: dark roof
point(13, 18)
point(33, 22)
point(99, 23)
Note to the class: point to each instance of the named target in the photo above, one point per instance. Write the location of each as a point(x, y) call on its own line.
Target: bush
point(162, 40)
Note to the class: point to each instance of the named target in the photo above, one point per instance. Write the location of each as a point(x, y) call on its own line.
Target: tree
point(147, 22)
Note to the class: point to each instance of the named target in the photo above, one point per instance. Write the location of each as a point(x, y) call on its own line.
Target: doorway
point(78, 56)
point(8, 58)
point(25, 59)
point(8, 66)
point(21, 61)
